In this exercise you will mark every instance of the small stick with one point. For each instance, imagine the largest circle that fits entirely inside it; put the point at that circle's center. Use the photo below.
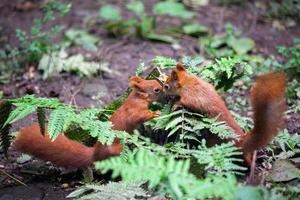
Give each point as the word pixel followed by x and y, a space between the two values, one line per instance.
pixel 252 169
pixel 10 176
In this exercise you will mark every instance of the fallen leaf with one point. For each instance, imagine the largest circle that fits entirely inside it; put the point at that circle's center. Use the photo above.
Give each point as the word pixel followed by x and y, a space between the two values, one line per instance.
pixel 241 46
pixel 283 170
pixel 26 6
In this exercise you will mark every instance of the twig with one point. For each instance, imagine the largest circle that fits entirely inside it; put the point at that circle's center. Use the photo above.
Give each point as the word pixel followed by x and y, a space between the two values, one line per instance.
pixel 10 176
pixel 252 169
pixel 72 98
pixel 253 24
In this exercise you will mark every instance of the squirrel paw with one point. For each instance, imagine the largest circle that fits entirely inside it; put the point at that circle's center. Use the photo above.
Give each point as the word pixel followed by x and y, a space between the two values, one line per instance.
pixel 176 107
pixel 156 113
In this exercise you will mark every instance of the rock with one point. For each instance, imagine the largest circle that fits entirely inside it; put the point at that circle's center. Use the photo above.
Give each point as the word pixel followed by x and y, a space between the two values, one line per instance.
pixel 94 90
pixel 65 185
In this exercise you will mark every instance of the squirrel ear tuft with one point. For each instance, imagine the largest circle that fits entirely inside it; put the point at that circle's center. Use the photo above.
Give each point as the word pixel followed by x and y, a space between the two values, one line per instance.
pixel 174 75
pixel 180 67
pixel 134 82
pixel 136 79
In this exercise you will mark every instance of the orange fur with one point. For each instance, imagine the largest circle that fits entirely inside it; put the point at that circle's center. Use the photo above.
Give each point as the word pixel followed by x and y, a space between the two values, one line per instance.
pixel 267 98
pixel 69 153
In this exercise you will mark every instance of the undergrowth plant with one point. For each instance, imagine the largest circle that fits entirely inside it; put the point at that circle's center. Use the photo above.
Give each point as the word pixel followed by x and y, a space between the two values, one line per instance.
pixel 282 9
pixel 35 43
pixel 292 57
pixel 230 44
pixel 222 73
pixel 60 119
pixel 145 25
pixel 39 41
pixel 182 166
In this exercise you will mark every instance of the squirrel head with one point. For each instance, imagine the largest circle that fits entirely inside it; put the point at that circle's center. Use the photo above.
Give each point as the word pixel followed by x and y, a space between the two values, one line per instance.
pixel 147 89
pixel 175 80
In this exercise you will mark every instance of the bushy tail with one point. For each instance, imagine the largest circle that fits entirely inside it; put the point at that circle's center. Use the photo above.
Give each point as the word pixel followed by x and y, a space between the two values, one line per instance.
pixel 62 151
pixel 268 103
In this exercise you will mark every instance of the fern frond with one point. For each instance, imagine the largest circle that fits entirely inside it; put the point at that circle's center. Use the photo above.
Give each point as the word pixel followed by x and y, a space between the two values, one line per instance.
pixel 5 109
pixel 189 125
pixel 189 187
pixel 285 142
pixel 192 62
pixel 112 190
pixel 31 100
pixel 223 73
pixel 20 112
pixel 41 119
pixel 219 159
pixel 144 165
pixel 57 121
pixel 164 62
pixel 246 123
pixel 168 175
pixel 5 138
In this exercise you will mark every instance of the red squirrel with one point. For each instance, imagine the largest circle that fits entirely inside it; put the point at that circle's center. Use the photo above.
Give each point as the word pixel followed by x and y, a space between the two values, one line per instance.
pixel 267 98
pixel 68 153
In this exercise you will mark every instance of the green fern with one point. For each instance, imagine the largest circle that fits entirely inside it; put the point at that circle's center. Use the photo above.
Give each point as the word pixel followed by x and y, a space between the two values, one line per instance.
pixel 285 142
pixel 164 62
pixel 112 190
pixel 28 104
pixel 143 165
pixel 61 117
pixel 5 137
pixel 219 159
pixel 189 187
pixel 168 175
pixel 192 62
pixel 41 115
pixel 223 73
pixel 20 112
pixel 189 124
pixel 57 121
pixel 246 123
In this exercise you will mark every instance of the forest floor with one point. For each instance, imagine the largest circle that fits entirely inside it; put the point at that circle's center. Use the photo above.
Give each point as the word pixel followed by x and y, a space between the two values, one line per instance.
pixel 123 55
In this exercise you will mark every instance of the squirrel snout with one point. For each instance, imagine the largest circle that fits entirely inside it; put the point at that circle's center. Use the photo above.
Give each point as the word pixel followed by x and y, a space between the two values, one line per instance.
pixel 166 87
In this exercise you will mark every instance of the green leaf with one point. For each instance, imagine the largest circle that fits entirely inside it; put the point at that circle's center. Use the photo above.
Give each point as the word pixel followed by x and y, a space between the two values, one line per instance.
pixel 82 38
pixel 137 7
pixel 172 8
pixel 146 26
pixel 57 62
pixel 164 62
pixel 108 12
pixel 250 192
pixel 241 46
pixel 20 113
pixel 194 29
pixel 56 122
pixel 23 158
pixel 218 41
pixel 111 190
pixel 283 170
pixel 161 38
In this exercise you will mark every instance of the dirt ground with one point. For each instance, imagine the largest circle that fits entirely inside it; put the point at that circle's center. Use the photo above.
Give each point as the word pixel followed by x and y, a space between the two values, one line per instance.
pixel 124 55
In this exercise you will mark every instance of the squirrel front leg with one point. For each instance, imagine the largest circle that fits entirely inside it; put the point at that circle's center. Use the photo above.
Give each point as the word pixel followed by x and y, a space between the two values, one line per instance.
pixel 177 104
pixel 151 115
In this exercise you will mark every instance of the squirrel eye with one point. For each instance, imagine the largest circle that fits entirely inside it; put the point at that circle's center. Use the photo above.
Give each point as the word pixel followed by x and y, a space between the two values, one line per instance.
pixel 156 90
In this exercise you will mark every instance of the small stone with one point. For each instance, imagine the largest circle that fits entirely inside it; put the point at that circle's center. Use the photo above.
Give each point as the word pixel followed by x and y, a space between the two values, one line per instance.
pixel 65 185
pixel 176 46
pixel 240 83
